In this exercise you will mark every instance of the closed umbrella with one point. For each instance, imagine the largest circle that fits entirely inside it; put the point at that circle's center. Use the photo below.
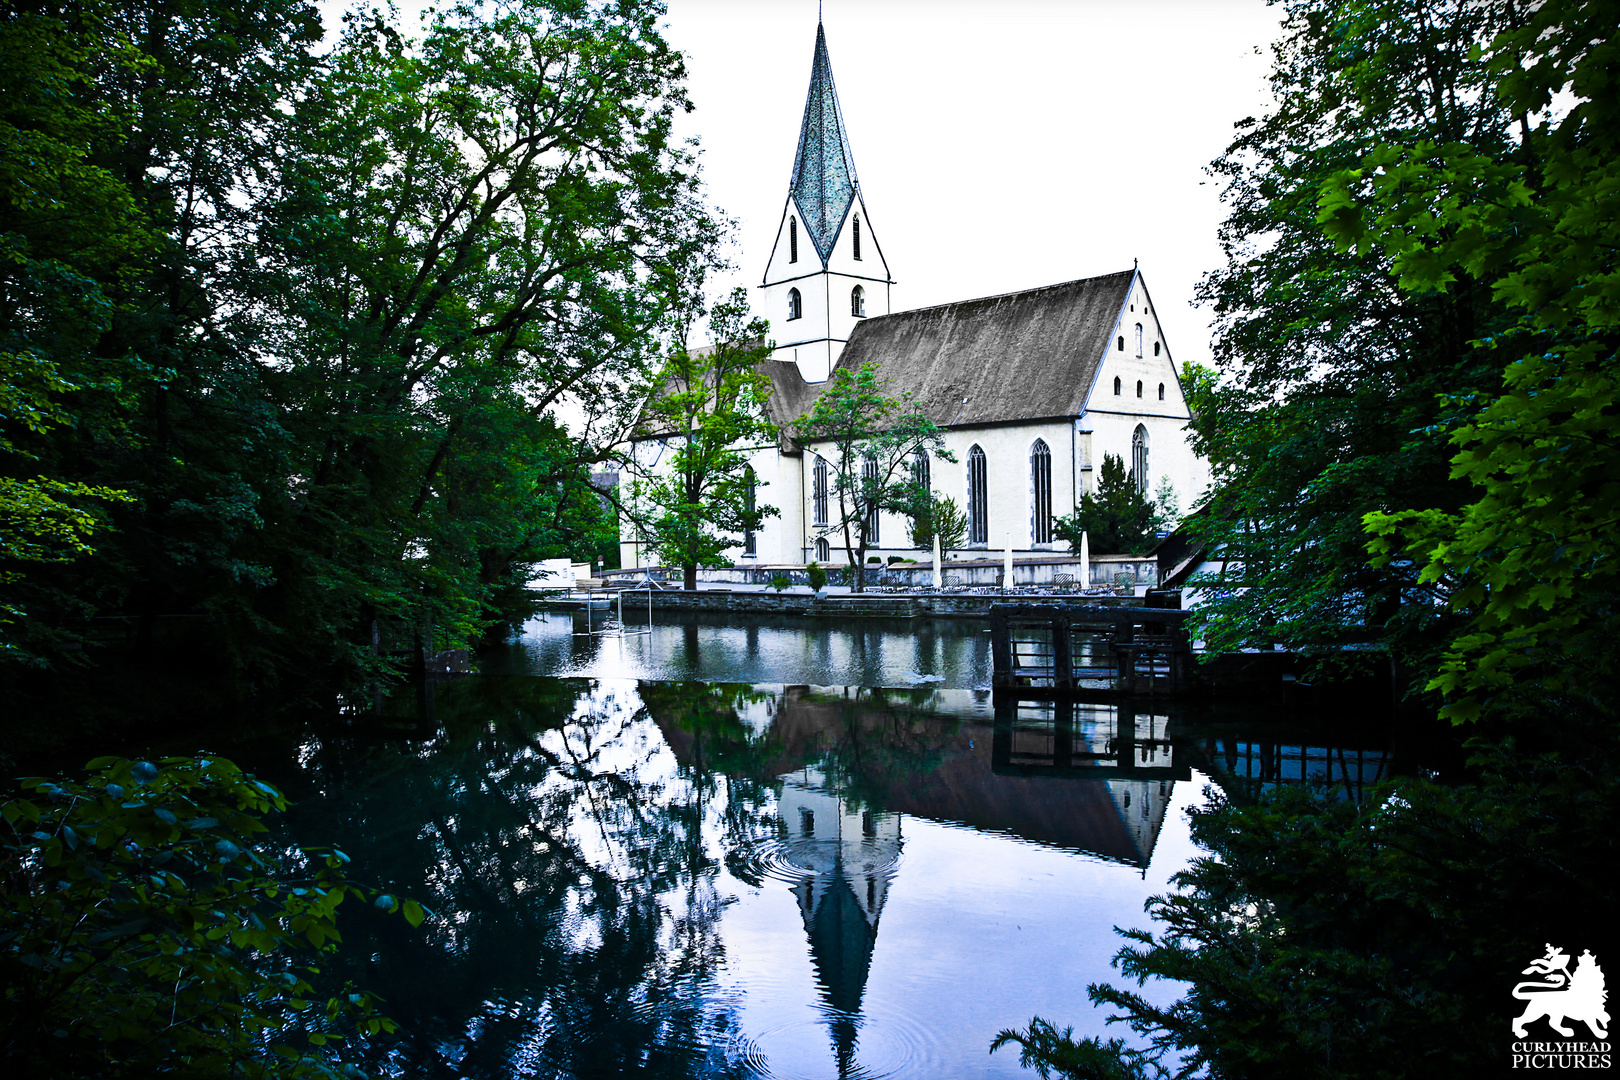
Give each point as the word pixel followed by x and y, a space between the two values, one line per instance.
pixel 1085 561
pixel 1006 579
pixel 939 582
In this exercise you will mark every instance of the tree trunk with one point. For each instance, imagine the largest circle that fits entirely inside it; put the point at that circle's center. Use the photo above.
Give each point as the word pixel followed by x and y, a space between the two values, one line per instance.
pixel 689 577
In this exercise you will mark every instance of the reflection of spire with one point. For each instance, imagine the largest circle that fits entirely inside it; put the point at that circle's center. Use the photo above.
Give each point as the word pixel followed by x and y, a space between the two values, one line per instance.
pixel 849 857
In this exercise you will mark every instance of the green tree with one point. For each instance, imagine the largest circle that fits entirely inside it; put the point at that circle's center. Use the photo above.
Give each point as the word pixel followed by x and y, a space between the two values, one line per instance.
pixel 939 514
pixel 1328 403
pixel 1118 518
pixel 873 439
pixel 711 406
pixel 147 929
pixel 356 286
pixel 1529 563
pixel 68 232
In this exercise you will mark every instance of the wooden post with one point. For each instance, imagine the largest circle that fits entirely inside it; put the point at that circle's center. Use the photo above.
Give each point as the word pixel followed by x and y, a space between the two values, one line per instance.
pixel 1062 647
pixel 1001 658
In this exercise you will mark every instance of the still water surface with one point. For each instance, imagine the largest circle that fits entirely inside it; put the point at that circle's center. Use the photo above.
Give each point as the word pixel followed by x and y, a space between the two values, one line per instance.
pixel 814 862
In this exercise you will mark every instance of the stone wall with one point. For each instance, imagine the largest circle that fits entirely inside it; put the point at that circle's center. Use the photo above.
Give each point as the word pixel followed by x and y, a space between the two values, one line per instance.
pixel 1106 570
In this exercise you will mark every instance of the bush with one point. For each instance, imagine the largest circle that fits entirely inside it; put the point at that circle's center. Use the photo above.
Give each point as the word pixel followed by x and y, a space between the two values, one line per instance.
pixel 817 576
pixel 944 516
pixel 780 581
pixel 1119 518
pixel 143 934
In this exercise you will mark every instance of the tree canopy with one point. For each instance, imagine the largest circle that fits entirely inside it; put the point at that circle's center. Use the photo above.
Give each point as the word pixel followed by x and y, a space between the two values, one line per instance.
pixel 286 330
pixel 872 441
pixel 710 410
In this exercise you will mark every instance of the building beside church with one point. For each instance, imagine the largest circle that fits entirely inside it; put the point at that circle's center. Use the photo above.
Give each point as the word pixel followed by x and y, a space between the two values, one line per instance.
pixel 1031 389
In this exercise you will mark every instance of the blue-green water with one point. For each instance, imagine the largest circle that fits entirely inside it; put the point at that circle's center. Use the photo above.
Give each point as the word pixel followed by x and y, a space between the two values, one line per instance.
pixel 784 870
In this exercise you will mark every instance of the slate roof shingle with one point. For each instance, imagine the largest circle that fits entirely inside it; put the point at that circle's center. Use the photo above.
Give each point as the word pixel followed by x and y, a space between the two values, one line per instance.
pixel 998 359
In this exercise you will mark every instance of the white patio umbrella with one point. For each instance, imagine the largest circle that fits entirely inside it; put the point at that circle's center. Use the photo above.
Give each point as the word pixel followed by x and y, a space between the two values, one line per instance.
pixel 939 582
pixel 1085 561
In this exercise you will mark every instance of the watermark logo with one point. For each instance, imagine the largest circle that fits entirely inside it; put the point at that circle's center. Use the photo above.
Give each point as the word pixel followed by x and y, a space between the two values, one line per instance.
pixel 1560 996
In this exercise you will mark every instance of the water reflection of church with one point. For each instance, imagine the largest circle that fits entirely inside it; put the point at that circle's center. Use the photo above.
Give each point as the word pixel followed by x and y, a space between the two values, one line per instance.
pixel 848 856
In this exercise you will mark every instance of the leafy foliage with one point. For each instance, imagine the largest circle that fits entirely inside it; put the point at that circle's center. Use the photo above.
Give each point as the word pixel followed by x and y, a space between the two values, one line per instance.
pixel 147 928
pixel 1529 563
pixel 712 406
pixel 1322 938
pixel 1118 518
pixel 313 314
pixel 871 440
pixel 1331 376
pixel 941 515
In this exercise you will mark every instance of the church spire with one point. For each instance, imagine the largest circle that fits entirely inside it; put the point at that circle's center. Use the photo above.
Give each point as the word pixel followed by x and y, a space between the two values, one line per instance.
pixel 826 272
pixel 824 184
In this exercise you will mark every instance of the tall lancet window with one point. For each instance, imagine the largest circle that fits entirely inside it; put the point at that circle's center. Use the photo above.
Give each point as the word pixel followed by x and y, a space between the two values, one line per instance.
pixel 1040 484
pixel 1139 341
pixel 1139 458
pixel 857 302
pixel 793 239
pixel 749 506
pixel 857 236
pixel 823 549
pixel 818 492
pixel 920 471
pixel 795 304
pixel 869 477
pixel 978 497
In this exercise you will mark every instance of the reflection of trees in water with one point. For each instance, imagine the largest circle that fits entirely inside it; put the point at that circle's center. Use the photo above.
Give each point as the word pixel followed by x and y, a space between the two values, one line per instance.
pixel 578 921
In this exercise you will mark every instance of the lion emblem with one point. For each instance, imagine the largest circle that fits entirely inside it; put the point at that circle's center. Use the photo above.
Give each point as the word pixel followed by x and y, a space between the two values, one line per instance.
pixel 1562 995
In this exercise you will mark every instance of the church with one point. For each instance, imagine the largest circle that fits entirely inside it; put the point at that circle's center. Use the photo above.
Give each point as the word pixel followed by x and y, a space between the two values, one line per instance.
pixel 1030 389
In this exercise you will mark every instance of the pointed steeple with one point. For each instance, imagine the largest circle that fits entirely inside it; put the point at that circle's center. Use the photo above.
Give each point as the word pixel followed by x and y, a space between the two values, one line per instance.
pixel 824 184
pixel 826 272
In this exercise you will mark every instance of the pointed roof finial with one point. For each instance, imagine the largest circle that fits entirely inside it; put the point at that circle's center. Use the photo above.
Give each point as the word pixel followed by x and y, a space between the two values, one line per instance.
pixel 824 182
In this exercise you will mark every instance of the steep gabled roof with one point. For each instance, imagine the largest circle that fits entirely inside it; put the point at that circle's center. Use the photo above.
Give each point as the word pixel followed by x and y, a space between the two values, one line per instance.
pixel 790 398
pixel 823 184
pixel 1019 356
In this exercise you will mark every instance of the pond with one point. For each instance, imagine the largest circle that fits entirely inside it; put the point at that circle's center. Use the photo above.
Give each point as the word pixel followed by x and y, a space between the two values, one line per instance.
pixel 754 851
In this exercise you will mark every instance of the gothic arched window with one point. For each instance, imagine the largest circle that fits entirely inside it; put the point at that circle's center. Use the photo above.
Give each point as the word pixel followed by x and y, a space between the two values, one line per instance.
pixel 869 483
pixel 823 549
pixel 857 236
pixel 795 304
pixel 1161 391
pixel 1116 386
pixel 1122 343
pixel 1139 458
pixel 978 497
pixel 793 239
pixel 857 302
pixel 1139 341
pixel 818 490
pixel 921 472
pixel 749 507
pixel 1040 484
pixel 1155 348
pixel 1138 387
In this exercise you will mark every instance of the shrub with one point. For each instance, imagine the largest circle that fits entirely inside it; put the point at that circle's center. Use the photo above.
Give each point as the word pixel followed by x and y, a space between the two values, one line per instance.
pixel 143 934
pixel 780 581
pixel 817 576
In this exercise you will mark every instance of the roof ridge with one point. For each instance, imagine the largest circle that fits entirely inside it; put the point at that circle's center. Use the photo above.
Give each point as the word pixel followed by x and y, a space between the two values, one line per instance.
pixel 999 296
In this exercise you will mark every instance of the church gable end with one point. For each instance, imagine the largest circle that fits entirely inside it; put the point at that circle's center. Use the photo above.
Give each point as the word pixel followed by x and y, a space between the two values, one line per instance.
pixel 1136 365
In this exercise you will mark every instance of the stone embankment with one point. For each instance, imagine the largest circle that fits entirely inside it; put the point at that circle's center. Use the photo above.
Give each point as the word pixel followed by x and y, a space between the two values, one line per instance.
pixel 833 606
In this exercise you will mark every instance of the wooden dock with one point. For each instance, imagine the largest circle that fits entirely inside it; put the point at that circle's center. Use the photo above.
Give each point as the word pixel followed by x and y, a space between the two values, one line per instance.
pixel 1089 649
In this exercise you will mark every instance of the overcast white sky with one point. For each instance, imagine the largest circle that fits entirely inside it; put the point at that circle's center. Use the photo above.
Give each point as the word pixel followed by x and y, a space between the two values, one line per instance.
pixel 1000 146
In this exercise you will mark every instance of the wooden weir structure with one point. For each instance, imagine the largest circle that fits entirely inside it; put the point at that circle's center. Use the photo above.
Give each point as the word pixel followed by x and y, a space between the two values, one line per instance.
pixel 1069 650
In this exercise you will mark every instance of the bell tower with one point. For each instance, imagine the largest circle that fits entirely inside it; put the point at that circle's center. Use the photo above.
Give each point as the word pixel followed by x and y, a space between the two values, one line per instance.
pixel 826 272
